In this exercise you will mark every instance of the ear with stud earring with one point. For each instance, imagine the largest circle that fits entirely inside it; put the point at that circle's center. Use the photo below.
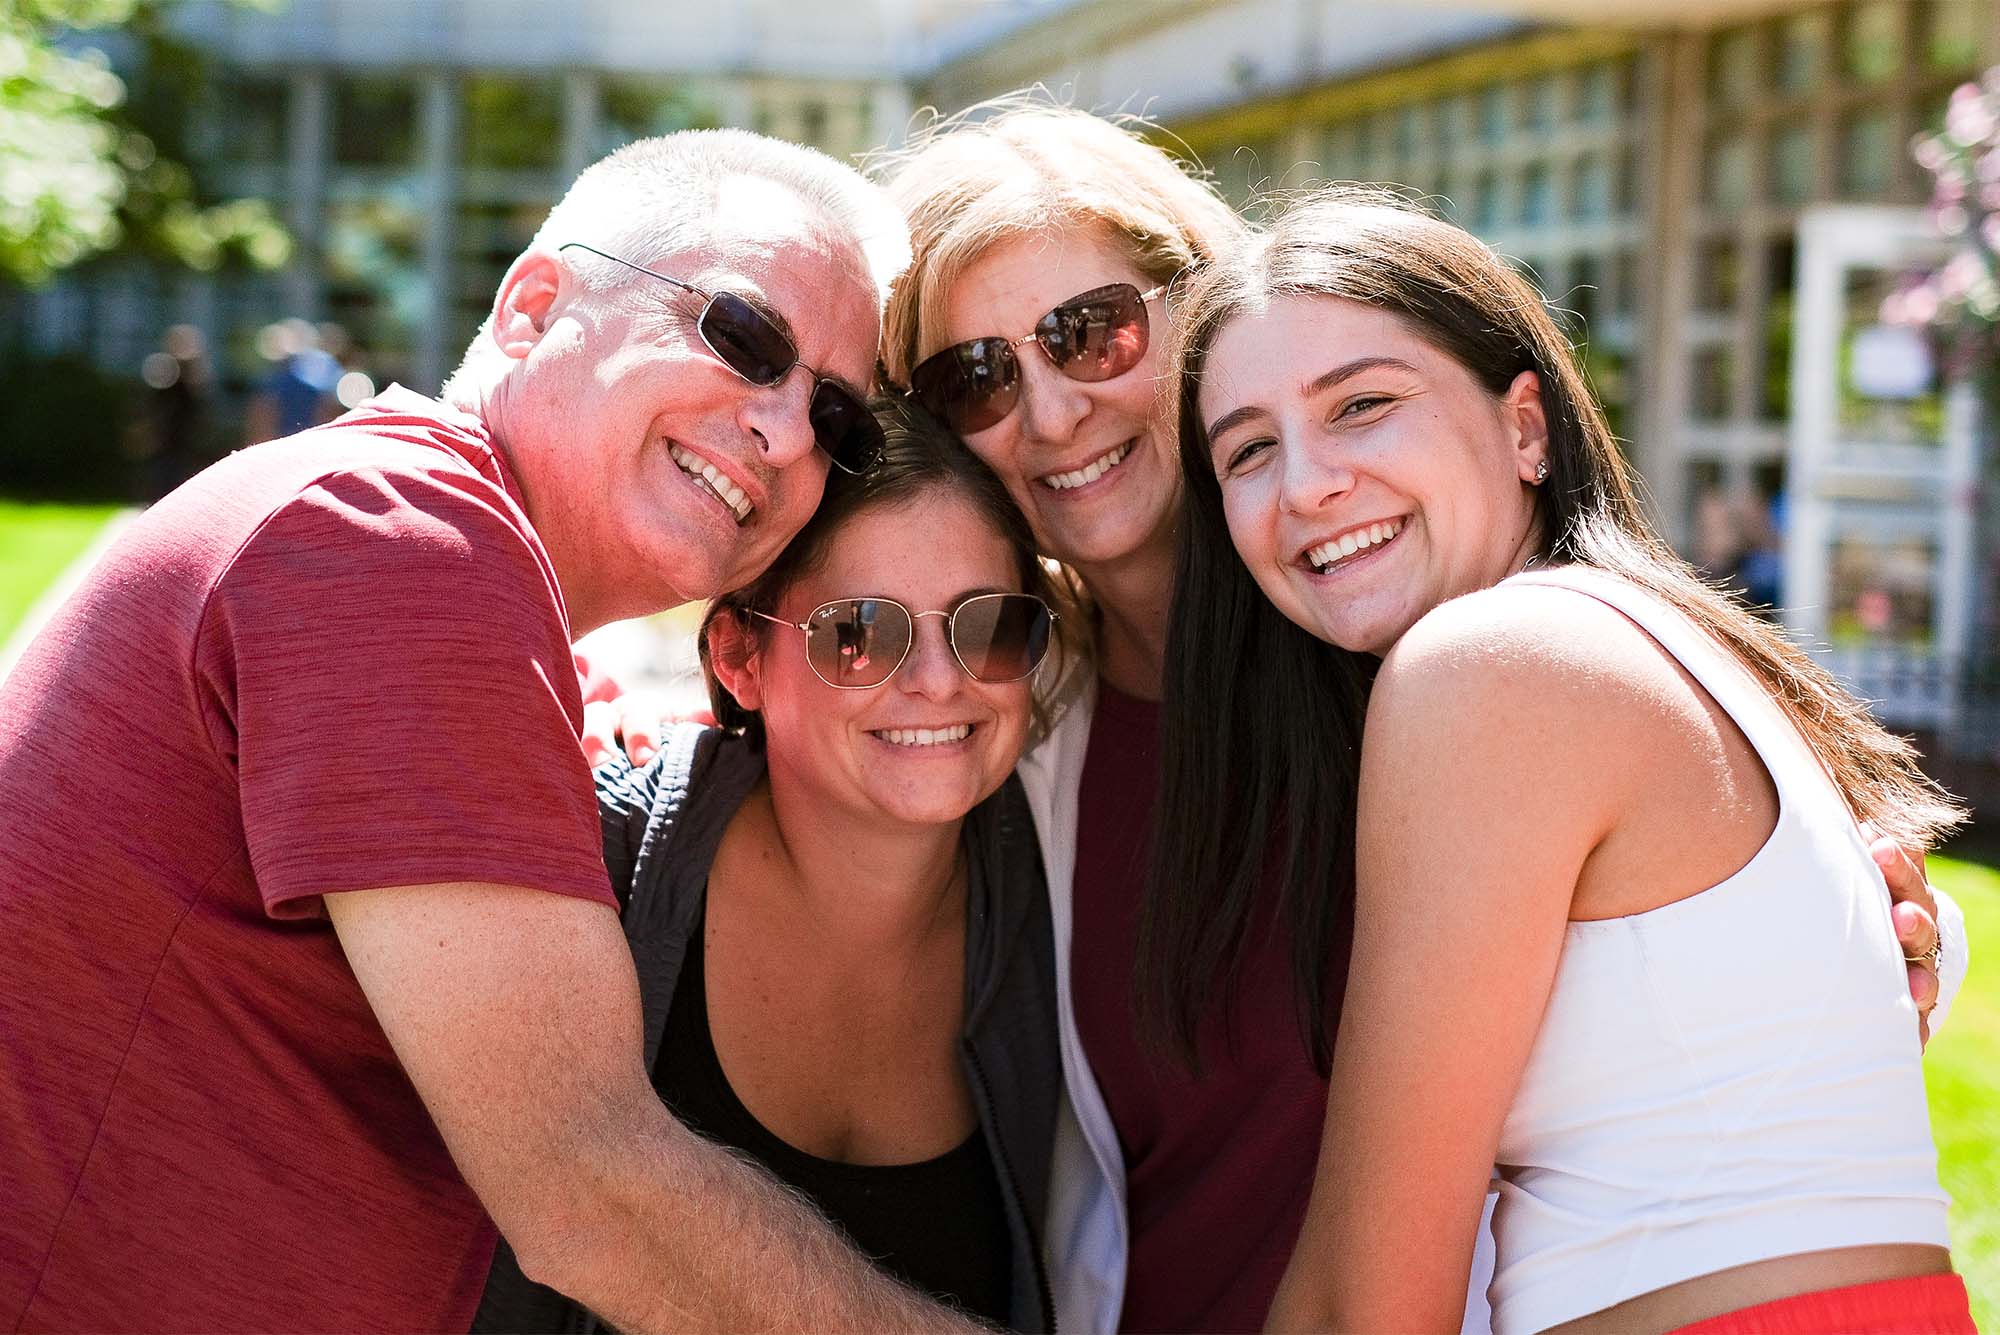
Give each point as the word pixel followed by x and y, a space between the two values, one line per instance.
pixel 1541 471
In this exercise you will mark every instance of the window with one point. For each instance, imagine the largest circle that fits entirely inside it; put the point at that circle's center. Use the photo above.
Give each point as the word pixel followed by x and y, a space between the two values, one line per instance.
pixel 510 123
pixel 1792 172
pixel 1873 49
pixel 374 121
pixel 252 113
pixel 1868 153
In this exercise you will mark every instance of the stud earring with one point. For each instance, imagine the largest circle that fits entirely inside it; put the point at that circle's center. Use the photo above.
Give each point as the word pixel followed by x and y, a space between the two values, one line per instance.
pixel 1541 471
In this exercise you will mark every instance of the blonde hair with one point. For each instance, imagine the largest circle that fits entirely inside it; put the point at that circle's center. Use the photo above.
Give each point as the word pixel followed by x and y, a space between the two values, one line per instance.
pixel 1022 165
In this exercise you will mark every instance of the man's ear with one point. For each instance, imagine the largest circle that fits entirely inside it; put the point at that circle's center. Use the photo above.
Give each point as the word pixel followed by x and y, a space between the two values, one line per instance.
pixel 527 300
pixel 732 652
pixel 1521 406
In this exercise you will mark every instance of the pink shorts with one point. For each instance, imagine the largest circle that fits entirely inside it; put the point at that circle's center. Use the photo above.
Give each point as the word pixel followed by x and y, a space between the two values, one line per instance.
pixel 1925 1305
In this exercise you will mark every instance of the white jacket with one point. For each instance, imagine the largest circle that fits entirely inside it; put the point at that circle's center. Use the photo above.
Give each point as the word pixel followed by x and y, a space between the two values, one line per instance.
pixel 1087 1234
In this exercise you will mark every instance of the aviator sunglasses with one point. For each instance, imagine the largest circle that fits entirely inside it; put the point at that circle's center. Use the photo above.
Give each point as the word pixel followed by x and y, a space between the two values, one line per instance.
pixel 745 340
pixel 1093 336
pixel 854 643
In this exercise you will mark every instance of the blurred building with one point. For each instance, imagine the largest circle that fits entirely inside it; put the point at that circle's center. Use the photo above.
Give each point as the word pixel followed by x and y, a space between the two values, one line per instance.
pixel 1656 165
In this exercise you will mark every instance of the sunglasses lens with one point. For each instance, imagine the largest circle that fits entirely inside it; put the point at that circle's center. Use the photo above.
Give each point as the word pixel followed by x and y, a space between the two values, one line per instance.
pixel 1001 636
pixel 844 428
pixel 857 642
pixel 747 343
pixel 969 386
pixel 1097 335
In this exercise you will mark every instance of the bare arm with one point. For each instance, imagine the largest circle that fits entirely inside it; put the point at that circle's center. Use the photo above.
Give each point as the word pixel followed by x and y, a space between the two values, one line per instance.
pixel 516 1015
pixel 1476 817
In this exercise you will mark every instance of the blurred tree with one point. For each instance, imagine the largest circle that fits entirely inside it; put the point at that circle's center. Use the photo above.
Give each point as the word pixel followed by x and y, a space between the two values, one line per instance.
pixel 90 164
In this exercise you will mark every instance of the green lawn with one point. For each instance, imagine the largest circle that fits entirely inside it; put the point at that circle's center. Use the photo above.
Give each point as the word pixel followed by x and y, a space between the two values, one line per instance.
pixel 36 542
pixel 1963 1072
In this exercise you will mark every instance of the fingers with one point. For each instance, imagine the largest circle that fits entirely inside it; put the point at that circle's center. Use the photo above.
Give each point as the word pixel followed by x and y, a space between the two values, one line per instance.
pixel 1904 875
pixel 600 732
pixel 640 724
pixel 1924 992
pixel 1916 930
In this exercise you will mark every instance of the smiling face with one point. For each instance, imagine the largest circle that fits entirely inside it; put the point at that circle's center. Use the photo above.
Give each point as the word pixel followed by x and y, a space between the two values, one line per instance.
pixel 661 473
pixel 1366 476
pixel 1091 465
pixel 930 743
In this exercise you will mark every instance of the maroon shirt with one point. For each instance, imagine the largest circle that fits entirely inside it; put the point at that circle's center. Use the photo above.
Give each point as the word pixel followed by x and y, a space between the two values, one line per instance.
pixel 333 662
pixel 1218 1169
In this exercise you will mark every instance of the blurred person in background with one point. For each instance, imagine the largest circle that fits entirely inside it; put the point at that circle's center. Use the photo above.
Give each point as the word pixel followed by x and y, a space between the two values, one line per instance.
pixel 298 391
pixel 178 410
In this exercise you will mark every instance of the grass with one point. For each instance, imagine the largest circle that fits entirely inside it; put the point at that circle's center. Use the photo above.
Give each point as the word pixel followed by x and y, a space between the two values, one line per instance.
pixel 1962 1070
pixel 37 542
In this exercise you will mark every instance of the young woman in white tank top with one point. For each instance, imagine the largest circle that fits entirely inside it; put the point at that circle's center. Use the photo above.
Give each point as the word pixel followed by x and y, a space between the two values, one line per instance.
pixel 1604 819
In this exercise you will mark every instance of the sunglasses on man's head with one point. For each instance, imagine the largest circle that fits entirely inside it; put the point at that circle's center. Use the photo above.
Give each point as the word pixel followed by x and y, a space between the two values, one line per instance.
pixel 745 340
pixel 1093 336
pixel 855 643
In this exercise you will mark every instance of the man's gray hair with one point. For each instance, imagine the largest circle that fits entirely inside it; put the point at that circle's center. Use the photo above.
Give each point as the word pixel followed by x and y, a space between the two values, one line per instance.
pixel 657 196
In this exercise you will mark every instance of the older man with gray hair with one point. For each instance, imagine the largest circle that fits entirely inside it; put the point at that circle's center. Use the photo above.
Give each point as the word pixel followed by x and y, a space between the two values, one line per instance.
pixel 333 972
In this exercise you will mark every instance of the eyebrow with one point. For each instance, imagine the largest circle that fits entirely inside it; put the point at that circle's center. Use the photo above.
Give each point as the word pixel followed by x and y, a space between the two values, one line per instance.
pixel 1318 385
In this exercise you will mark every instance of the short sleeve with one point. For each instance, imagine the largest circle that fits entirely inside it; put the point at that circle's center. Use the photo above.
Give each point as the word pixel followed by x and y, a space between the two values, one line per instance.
pixel 387 664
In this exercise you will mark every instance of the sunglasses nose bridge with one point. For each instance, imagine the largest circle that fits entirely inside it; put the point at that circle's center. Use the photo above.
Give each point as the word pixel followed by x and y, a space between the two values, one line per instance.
pixel 931 665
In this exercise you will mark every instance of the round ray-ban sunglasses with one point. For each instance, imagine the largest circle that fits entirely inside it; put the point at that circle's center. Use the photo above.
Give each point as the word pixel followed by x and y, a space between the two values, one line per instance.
pixel 1093 336
pixel 854 643
pixel 745 339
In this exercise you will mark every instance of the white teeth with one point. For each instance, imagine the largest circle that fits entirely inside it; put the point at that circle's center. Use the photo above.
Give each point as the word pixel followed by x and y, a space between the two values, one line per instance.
pixel 1347 544
pixel 714 479
pixel 1090 472
pixel 925 736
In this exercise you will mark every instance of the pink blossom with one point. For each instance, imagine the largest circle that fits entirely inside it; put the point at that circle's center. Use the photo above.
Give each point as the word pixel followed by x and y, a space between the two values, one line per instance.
pixel 1920 304
pixel 1952 220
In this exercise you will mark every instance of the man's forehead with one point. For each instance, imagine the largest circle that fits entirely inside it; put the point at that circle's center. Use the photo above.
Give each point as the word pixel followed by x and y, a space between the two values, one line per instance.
pixel 815 283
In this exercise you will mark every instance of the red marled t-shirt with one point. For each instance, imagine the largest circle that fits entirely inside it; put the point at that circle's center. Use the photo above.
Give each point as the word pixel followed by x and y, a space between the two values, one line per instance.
pixel 1218 1169
pixel 333 662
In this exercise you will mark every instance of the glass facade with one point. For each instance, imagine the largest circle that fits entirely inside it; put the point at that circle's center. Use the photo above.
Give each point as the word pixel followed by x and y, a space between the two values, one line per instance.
pixel 410 191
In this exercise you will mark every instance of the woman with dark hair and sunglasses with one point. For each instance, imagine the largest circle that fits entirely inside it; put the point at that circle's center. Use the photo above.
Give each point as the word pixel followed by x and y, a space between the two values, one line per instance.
pixel 1602 821
pixel 833 899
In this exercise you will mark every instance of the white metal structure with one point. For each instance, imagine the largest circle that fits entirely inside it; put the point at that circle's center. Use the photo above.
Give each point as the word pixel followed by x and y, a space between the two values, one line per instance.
pixel 1881 485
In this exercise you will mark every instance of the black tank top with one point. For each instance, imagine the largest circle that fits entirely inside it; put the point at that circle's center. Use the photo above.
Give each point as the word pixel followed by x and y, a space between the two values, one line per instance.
pixel 939 1226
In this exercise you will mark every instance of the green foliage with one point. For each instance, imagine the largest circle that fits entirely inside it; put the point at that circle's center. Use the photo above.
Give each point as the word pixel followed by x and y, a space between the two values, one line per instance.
pixel 82 166
pixel 64 423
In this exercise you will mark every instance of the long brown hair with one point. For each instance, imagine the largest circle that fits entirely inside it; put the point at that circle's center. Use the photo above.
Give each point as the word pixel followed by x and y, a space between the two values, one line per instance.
pixel 1276 713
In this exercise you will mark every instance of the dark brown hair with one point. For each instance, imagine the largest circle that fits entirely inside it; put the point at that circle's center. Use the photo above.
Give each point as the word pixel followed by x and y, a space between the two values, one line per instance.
pixel 1263 720
pixel 920 456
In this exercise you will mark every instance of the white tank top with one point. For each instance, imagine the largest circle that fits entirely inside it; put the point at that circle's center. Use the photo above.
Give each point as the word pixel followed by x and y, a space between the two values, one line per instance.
pixel 1729 1078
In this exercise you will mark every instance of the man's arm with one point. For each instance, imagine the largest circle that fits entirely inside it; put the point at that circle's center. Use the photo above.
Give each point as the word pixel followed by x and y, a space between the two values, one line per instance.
pixel 516 1015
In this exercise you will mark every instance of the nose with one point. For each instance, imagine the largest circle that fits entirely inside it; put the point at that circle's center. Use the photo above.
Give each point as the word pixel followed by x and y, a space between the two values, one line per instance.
pixel 931 670
pixel 1313 475
pixel 1052 404
pixel 780 417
